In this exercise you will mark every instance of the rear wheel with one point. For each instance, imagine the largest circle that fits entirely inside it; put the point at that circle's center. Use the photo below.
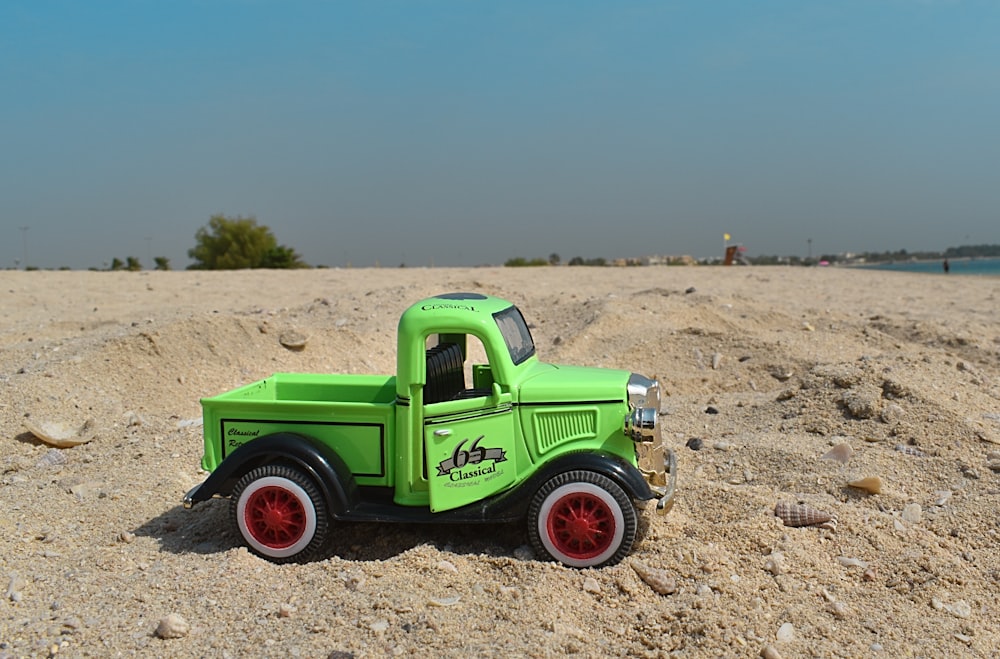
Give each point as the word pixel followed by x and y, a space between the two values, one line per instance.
pixel 280 513
pixel 582 519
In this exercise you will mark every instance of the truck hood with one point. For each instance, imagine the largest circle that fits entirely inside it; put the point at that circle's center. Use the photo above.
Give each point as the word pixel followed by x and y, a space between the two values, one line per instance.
pixel 551 383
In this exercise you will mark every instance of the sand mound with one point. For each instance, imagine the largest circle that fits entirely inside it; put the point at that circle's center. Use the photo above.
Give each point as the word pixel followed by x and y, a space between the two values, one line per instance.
pixel 765 370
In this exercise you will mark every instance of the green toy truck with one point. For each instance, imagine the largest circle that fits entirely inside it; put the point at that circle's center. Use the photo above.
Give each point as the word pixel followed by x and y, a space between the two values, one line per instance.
pixel 568 448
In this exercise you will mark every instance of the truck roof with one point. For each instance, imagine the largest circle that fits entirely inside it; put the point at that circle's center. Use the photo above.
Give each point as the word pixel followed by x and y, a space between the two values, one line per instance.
pixel 463 309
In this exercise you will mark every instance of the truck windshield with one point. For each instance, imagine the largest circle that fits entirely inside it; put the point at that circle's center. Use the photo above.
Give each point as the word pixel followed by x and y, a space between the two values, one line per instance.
pixel 515 334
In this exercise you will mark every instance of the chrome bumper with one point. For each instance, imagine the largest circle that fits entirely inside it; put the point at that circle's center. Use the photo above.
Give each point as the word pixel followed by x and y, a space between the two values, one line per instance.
pixel 659 465
pixel 656 462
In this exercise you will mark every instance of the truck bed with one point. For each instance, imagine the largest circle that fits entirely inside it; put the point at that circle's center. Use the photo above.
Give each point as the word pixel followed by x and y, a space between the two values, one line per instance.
pixel 353 414
pixel 315 388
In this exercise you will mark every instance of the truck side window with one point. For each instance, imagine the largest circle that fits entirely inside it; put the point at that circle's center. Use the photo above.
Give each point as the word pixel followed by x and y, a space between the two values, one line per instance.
pixel 449 372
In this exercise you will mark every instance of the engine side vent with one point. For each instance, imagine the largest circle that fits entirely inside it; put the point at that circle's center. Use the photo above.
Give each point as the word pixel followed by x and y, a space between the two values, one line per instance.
pixel 556 427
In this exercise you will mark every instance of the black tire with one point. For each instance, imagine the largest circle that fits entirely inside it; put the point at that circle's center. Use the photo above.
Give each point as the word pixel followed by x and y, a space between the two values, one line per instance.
pixel 280 514
pixel 582 519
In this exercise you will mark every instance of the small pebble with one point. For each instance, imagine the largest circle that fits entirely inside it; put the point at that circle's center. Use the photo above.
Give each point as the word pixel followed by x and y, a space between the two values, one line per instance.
pixel 775 563
pixel 721 446
pixel 286 611
pixel 912 513
pixel 447 566
pixel 523 553
pixel 892 412
pixel 959 609
pixel 851 562
pixel 840 453
pixel 837 609
pixel 659 580
pixel 786 633
pixel 711 409
pixel 590 585
pixel 293 340
pixel 694 444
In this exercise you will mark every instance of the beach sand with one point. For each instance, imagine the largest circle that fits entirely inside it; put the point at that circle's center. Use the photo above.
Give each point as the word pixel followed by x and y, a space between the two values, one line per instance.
pixel 769 368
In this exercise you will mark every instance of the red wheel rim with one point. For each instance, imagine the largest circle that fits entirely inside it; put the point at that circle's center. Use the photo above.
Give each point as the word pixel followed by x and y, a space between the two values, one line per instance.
pixel 275 517
pixel 581 525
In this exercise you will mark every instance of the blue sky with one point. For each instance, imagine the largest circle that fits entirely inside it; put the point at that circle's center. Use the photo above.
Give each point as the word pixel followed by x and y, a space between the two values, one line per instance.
pixel 465 132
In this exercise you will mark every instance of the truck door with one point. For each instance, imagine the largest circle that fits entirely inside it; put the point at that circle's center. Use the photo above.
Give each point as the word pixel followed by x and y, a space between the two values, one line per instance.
pixel 470 451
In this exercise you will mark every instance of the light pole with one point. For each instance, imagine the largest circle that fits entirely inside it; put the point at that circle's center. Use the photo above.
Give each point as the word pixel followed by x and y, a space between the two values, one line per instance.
pixel 24 246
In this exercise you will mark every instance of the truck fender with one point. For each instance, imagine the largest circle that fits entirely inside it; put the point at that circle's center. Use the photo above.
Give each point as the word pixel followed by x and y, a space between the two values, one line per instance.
pixel 514 504
pixel 318 460
pixel 614 467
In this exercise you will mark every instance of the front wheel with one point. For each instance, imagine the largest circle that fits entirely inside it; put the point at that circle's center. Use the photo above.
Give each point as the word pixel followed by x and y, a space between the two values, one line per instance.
pixel 582 519
pixel 280 513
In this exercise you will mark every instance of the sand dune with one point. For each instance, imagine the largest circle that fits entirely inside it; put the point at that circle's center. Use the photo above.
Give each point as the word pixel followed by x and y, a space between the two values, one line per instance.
pixel 765 371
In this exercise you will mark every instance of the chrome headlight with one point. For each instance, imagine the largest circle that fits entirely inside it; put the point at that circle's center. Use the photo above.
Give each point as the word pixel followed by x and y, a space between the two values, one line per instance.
pixel 644 408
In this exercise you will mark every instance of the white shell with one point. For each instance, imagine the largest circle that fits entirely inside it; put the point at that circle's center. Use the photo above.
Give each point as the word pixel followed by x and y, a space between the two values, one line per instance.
pixel 59 435
pixel 870 484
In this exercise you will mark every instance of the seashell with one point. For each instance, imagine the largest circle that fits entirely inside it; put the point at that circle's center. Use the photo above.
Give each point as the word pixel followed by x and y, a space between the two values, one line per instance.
pixel 659 580
pixel 910 450
pixel 444 601
pixel 840 453
pixel 801 515
pixel 52 458
pixel 870 484
pixel 58 434
pixel 173 626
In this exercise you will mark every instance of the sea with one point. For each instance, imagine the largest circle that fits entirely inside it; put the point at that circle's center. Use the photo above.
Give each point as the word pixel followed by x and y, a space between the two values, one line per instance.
pixel 983 267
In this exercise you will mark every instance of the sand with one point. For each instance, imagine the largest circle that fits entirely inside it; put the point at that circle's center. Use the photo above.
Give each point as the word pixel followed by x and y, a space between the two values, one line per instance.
pixel 766 369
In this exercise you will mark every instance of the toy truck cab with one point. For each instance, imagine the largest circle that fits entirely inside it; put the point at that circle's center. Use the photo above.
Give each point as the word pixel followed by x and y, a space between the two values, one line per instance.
pixel 447 439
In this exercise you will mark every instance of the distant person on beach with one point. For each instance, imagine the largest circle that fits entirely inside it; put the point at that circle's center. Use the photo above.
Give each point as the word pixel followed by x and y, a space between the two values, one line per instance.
pixel 946 266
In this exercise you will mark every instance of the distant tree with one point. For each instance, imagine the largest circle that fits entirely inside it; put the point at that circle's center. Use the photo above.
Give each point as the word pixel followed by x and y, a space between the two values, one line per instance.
pixel 520 262
pixel 554 259
pixel 579 260
pixel 282 257
pixel 133 264
pixel 117 264
pixel 238 243
pixel 162 262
